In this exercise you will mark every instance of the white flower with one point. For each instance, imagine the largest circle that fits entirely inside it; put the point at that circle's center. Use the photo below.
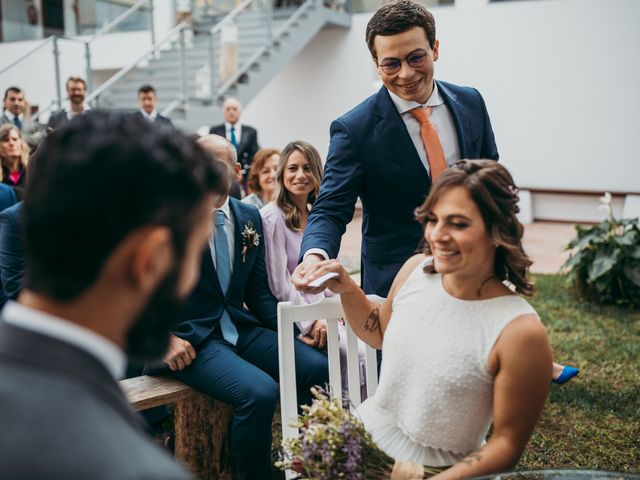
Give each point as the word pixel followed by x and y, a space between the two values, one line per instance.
pixel 605 200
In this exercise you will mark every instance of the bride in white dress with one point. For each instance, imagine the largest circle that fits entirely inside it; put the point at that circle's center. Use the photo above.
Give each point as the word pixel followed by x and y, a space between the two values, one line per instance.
pixel 462 350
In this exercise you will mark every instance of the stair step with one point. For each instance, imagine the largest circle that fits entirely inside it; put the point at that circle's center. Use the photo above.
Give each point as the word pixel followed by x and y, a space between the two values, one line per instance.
pixel 164 72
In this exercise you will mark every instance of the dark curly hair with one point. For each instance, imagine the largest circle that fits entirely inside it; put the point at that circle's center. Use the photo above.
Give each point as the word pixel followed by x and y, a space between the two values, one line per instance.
pixel 492 189
pixel 398 17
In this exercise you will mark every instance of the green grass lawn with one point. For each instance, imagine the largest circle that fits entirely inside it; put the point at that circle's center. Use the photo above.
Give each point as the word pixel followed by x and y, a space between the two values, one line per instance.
pixel 592 422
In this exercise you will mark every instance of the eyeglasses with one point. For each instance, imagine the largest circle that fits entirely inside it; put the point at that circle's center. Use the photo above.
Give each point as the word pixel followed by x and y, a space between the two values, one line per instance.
pixel 391 66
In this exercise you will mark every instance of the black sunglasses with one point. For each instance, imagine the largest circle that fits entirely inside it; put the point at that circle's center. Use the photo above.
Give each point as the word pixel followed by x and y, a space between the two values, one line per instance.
pixel 391 66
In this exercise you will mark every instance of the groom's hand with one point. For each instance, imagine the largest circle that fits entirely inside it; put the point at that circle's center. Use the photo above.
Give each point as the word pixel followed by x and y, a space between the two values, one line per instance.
pixel 301 275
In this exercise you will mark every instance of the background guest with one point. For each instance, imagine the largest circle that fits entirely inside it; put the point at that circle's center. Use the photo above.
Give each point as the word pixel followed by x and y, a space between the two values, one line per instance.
pixel 241 136
pixel 14 155
pixel 148 99
pixel 261 181
pixel 227 343
pixel 16 112
pixel 297 183
pixel 76 93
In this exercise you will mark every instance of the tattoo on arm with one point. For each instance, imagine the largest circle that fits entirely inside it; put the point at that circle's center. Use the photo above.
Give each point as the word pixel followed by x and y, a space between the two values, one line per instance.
pixel 372 324
pixel 474 457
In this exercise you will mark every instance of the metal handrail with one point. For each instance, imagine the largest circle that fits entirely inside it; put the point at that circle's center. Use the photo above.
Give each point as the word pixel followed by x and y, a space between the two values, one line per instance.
pixel 294 18
pixel 26 55
pixel 175 103
pixel 110 26
pixel 118 20
pixel 121 73
pixel 230 16
pixel 247 65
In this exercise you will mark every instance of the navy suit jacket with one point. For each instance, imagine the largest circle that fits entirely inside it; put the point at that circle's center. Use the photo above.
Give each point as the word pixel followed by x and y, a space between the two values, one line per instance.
pixel 248 144
pixel 160 120
pixel 12 256
pixel 371 156
pixel 249 285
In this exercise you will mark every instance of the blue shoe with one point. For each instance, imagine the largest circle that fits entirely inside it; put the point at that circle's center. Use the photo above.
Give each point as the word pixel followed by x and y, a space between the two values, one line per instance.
pixel 567 374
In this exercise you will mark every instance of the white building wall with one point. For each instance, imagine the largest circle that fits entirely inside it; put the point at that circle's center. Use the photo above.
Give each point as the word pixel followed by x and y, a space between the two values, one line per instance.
pixel 560 78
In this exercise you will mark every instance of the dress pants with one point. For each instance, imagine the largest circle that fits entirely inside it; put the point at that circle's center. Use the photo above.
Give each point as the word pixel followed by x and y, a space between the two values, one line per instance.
pixel 246 376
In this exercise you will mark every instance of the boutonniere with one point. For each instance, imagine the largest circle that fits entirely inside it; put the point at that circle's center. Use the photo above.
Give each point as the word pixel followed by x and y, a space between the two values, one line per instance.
pixel 250 239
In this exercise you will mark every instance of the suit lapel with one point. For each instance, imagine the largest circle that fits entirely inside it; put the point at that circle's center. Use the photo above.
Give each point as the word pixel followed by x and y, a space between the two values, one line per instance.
pixel 243 139
pixel 460 118
pixel 392 129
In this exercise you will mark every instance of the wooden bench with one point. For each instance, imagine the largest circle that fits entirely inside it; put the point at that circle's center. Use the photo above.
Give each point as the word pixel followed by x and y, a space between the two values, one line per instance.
pixel 201 424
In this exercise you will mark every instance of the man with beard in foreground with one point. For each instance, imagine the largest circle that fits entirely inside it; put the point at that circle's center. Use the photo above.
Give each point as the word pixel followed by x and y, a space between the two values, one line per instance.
pixel 116 219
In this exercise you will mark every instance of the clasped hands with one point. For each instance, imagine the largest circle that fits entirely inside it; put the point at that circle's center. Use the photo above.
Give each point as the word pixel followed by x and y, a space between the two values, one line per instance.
pixel 312 267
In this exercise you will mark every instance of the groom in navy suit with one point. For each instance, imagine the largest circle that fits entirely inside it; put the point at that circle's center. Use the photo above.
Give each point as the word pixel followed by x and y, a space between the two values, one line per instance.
pixel 377 151
pixel 231 352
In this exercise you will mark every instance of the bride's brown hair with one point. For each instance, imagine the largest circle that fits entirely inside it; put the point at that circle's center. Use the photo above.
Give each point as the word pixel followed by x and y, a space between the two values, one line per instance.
pixel 492 189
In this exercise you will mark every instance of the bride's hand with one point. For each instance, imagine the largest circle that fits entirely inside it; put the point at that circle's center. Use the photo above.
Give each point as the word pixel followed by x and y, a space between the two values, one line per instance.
pixel 340 284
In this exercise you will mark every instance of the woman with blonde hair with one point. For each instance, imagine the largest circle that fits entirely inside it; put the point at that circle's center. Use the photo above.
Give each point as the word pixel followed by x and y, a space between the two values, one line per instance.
pixel 14 156
pixel 262 177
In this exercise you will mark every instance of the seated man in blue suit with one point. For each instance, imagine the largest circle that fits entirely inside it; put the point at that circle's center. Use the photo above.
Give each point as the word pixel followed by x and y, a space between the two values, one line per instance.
pixel 227 351
pixel 378 152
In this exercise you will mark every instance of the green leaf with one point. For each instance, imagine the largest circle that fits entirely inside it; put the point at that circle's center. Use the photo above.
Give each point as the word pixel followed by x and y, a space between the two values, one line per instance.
pixel 572 261
pixel 602 264
pixel 628 238
pixel 635 253
pixel 633 273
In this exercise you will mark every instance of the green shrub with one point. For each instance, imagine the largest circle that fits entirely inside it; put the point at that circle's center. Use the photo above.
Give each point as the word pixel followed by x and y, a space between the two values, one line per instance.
pixel 605 267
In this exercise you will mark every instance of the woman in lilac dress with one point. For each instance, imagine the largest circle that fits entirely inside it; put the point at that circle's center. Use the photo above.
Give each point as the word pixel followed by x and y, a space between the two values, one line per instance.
pixel 297 185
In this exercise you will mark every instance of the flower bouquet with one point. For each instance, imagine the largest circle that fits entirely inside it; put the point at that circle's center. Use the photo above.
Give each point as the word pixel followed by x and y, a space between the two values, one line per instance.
pixel 334 444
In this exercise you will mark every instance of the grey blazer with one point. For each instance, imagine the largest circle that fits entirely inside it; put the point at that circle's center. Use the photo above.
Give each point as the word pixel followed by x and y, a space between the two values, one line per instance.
pixel 64 417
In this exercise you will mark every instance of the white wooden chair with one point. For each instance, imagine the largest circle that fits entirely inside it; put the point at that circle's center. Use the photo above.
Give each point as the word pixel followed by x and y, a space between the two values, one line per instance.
pixel 330 309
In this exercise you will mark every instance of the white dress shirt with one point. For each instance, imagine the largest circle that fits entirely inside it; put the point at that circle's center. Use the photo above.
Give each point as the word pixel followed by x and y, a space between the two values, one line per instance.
pixel 238 131
pixel 104 350
pixel 440 118
pixel 71 114
pixel 149 116
pixel 11 116
pixel 229 223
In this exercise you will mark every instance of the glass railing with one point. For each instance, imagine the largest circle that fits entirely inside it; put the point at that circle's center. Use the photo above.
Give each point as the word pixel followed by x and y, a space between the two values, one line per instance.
pixel 101 12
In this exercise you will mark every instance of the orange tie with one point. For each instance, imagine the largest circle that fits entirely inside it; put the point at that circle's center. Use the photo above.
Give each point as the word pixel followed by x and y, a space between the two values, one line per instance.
pixel 429 134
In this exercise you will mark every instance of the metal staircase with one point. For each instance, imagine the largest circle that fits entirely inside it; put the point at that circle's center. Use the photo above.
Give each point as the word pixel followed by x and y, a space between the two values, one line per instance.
pixel 180 66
